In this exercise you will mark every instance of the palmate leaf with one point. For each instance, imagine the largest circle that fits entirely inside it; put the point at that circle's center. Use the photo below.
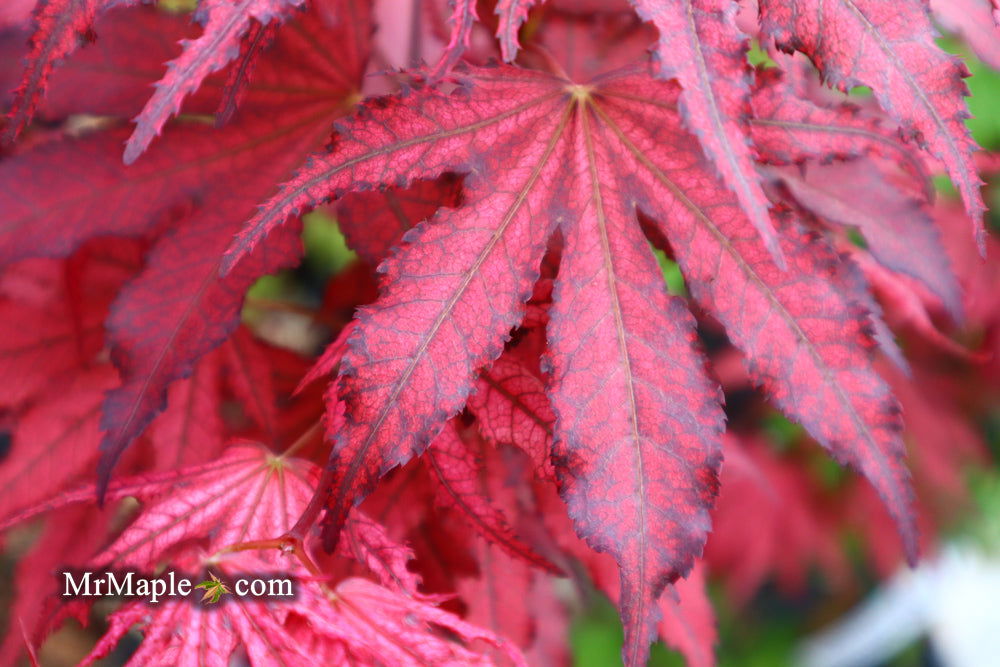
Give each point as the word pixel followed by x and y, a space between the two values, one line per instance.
pixel 790 532
pixel 638 422
pixel 51 319
pixel 383 625
pixel 511 407
pixel 511 213
pixel 67 539
pixel 211 508
pixel 497 597
pixel 687 620
pixel 55 442
pixel 356 622
pixel 187 517
pixel 374 222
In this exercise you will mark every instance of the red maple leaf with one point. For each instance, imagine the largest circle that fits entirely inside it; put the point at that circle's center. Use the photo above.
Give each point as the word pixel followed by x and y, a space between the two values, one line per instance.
pixel 685 619
pixel 786 536
pixel 374 222
pixel 497 597
pixel 787 127
pixel 194 525
pixel 512 408
pixel 54 443
pixel 463 17
pixel 613 330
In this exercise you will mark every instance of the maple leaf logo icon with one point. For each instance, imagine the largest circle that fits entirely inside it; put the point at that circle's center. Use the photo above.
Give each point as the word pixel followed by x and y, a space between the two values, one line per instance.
pixel 214 589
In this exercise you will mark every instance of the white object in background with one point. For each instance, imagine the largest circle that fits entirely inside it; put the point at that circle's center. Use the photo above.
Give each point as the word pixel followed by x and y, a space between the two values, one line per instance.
pixel 955 600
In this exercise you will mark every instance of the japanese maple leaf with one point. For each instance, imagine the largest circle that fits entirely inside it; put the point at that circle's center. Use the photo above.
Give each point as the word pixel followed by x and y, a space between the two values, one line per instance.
pixel 463 18
pixel 202 505
pixel 212 510
pixel 65 376
pixel 889 47
pixel 905 308
pixel 512 408
pixel 208 510
pixel 548 645
pixel 374 222
pixel 55 442
pixel 205 506
pixel 687 620
pixel 397 628
pixel 51 315
pixel 52 319
pixel 179 632
pixel 638 423
pixel 944 443
pixel 193 182
pixel 497 597
pixel 788 128
pixel 191 429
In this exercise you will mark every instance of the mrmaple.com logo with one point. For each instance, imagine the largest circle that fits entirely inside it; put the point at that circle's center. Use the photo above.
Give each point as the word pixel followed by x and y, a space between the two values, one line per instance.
pixel 126 584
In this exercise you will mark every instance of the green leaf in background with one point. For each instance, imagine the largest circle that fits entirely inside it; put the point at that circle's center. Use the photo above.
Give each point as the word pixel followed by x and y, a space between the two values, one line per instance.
pixel 671 274
pixel 597 637
pixel 984 86
pixel 325 246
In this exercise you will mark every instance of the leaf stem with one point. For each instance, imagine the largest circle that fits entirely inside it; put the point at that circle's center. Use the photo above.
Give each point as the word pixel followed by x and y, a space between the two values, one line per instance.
pixel 303 439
